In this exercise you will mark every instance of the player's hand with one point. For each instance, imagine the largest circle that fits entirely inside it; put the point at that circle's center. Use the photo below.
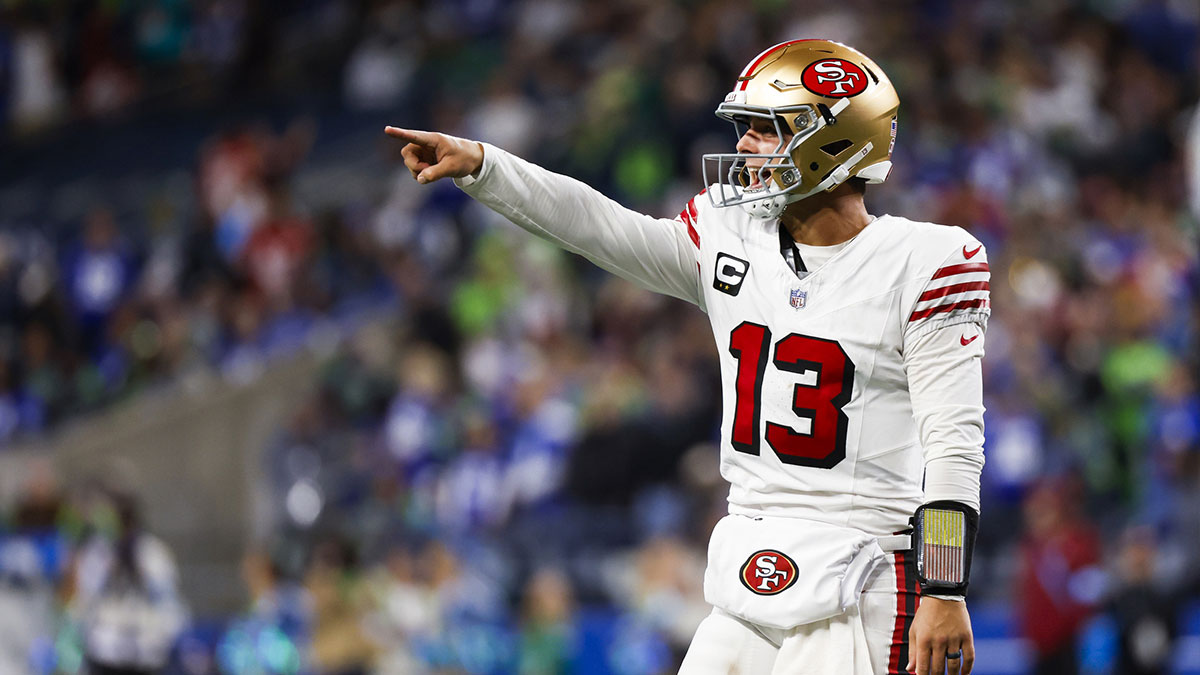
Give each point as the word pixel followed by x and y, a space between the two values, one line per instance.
pixel 431 156
pixel 940 627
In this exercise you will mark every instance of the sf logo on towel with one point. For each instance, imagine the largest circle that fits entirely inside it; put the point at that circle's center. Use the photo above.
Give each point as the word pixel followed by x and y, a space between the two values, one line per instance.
pixel 768 572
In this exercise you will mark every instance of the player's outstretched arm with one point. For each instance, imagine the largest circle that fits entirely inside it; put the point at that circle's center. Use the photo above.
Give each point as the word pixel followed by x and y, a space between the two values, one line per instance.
pixel 657 254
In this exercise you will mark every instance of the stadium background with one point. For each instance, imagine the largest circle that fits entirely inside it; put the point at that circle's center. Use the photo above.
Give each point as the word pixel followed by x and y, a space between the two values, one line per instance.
pixel 268 406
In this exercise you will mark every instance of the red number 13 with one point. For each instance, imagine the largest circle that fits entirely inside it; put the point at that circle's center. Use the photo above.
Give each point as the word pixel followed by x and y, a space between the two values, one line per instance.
pixel 819 402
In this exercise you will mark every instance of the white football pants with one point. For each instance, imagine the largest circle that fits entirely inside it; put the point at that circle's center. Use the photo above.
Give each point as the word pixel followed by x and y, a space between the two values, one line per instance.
pixel 871 639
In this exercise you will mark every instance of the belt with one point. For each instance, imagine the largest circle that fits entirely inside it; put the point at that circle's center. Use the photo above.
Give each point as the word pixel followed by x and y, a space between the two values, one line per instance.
pixel 895 542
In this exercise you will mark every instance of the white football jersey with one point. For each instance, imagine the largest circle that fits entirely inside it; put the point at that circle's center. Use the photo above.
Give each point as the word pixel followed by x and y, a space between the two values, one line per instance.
pixel 817 418
pixel 819 374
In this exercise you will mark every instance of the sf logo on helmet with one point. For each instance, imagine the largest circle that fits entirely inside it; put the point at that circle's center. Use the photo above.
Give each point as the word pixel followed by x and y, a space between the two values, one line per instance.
pixel 835 78
pixel 768 572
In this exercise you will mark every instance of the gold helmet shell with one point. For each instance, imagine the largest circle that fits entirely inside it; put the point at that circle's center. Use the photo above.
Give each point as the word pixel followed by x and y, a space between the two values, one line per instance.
pixel 834 110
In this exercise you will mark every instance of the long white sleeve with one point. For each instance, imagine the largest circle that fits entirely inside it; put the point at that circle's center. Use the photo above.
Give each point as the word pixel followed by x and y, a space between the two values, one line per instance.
pixel 945 380
pixel 656 254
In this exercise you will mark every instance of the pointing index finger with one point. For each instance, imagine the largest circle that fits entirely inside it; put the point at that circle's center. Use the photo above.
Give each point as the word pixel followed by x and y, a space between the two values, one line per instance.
pixel 423 138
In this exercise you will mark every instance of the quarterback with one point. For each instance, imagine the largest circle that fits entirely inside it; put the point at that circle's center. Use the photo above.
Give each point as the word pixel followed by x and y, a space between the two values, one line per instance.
pixel 850 349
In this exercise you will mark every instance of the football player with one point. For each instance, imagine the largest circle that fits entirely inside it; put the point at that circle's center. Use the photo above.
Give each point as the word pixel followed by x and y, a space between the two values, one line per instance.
pixel 850 348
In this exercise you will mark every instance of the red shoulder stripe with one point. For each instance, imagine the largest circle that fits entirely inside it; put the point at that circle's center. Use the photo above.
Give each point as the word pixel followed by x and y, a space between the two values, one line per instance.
pixel 951 290
pixel 964 304
pixel 965 268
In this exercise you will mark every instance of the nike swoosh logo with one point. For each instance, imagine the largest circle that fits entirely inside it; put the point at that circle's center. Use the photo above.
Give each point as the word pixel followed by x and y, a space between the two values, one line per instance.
pixel 963 339
pixel 971 254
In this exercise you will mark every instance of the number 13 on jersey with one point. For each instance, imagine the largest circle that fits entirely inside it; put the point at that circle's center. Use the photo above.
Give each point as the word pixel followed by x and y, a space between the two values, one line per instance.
pixel 825 380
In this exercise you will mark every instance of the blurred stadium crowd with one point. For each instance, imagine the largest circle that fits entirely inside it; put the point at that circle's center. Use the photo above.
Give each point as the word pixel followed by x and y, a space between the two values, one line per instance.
pixel 516 454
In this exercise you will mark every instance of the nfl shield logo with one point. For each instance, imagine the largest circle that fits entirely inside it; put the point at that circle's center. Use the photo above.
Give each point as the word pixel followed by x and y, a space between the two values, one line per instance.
pixel 799 298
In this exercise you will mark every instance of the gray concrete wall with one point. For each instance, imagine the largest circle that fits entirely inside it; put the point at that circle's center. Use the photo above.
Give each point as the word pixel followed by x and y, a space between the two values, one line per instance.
pixel 193 454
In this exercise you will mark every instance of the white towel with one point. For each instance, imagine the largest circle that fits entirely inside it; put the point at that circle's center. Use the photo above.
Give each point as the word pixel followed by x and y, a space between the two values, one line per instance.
pixel 727 645
pixel 835 645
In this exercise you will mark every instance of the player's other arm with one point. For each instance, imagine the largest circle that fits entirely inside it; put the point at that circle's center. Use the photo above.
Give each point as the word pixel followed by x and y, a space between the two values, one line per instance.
pixel 657 254
pixel 943 352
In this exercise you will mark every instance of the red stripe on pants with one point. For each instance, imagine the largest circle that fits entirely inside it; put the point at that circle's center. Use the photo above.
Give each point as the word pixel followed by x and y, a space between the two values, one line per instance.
pixel 907 601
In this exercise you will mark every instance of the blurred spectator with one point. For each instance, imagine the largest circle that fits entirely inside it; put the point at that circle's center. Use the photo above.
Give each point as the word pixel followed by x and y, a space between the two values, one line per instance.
pixel 472 492
pixel 405 613
pixel 1144 608
pixel 542 432
pixel 417 427
pixel 379 71
pixel 548 643
pixel 340 645
pixel 1060 581
pixel 231 170
pixel 274 253
pixel 33 557
pixel 455 621
pixel 661 583
pixel 217 33
pixel 273 637
pixel 37 96
pixel 44 395
pixel 126 596
pixel 99 271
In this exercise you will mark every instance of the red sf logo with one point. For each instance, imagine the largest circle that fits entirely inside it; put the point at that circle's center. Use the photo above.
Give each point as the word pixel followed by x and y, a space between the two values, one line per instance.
pixel 835 78
pixel 768 572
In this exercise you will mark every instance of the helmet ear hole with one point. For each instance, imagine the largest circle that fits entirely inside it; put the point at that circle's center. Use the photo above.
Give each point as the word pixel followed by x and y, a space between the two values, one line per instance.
pixel 814 166
pixel 837 147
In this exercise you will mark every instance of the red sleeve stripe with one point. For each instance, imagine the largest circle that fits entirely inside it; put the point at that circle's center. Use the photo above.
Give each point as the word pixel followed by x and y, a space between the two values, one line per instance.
pixel 965 268
pixel 963 304
pixel 951 290
pixel 688 216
